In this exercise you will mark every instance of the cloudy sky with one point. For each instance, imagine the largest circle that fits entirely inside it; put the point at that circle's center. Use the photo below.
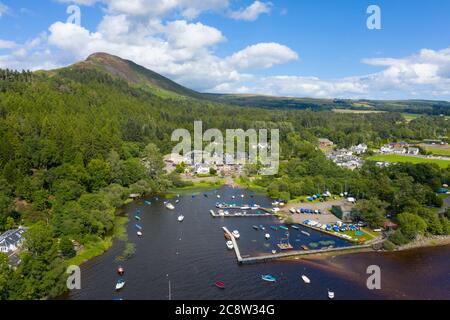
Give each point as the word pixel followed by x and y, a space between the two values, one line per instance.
pixel 307 48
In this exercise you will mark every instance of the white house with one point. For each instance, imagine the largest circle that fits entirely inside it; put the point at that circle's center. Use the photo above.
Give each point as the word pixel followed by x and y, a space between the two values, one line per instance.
pixel 11 240
pixel 359 149
pixel 202 169
pixel 413 151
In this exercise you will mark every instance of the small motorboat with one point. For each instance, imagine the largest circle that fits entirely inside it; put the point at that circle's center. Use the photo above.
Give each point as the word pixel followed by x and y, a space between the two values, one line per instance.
pixel 180 218
pixel 236 234
pixel 138 227
pixel 274 251
pixel 230 245
pixel 233 197
pixel 147 202
pixel 139 233
pixel 137 218
pixel 305 279
pixel 242 195
pixel 267 236
pixel 262 227
pixel 218 196
pixel 306 233
pixel 120 284
pixel 295 227
pixel 330 294
pixel 256 227
pixel 120 271
pixel 170 206
pixel 220 285
pixel 268 278
pixel 284 228
pixel 177 201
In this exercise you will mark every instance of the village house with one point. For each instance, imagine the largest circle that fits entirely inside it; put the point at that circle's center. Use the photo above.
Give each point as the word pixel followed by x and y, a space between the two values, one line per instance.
pixel 413 151
pixel 346 159
pixel 359 149
pixel 395 148
pixel 11 240
pixel 324 143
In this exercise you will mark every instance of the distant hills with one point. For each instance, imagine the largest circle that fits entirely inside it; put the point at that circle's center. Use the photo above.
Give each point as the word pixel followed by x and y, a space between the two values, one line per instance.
pixel 161 86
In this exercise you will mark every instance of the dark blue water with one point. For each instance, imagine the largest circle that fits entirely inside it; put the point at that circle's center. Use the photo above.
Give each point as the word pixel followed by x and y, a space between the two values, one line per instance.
pixel 192 255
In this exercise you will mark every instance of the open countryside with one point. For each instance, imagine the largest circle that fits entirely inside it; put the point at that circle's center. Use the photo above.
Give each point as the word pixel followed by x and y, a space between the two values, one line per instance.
pixel 394 158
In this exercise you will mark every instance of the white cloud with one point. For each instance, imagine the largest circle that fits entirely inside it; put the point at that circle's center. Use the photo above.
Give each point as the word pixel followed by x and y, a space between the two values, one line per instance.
pixel 262 55
pixel 189 9
pixel 3 9
pixel 252 12
pixel 6 44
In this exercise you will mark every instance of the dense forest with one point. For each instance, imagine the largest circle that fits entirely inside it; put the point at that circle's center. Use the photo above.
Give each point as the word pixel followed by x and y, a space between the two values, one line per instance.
pixel 72 148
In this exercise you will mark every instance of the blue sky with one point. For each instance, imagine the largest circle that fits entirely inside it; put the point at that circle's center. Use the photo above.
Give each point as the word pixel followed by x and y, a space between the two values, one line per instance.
pixel 315 48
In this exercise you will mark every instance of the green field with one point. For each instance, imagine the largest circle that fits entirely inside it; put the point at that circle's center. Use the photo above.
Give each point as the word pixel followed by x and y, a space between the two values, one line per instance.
pixel 394 158
pixel 439 151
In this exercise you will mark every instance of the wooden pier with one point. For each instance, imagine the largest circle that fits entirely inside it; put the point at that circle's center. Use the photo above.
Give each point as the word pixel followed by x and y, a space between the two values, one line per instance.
pixel 243 215
pixel 235 245
pixel 281 255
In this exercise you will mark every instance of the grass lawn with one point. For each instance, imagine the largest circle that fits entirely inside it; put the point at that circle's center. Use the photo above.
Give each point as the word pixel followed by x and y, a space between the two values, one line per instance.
pixel 394 158
pixel 248 184
pixel 439 151
pixel 366 235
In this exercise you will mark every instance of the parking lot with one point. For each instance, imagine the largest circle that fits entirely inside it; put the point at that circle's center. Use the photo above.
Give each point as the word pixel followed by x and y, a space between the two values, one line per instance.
pixel 325 207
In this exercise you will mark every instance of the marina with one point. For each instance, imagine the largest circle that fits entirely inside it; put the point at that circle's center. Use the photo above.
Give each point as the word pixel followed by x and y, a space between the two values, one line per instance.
pixel 193 255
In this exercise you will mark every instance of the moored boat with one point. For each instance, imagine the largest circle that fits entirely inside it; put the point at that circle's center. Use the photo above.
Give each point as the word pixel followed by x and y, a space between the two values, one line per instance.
pixel 180 218
pixel 139 233
pixel 267 236
pixel 170 206
pixel 268 278
pixel 256 227
pixel 295 227
pixel 236 234
pixel 230 245
pixel 120 284
pixel 330 294
pixel 284 228
pixel 305 233
pixel 305 279
pixel 220 285
pixel 120 271
pixel 147 202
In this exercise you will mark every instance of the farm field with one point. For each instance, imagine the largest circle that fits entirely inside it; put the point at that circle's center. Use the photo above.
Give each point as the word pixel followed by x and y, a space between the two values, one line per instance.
pixel 437 149
pixel 394 158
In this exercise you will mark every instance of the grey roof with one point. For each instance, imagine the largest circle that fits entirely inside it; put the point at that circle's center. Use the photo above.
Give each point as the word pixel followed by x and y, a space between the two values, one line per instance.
pixel 12 237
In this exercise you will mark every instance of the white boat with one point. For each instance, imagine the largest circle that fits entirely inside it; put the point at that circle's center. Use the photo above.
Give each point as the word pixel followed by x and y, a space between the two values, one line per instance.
pixel 180 218
pixel 139 233
pixel 267 236
pixel 218 196
pixel 120 284
pixel 236 234
pixel 274 204
pixel 274 251
pixel 170 206
pixel 233 197
pixel 242 195
pixel 212 212
pixel 305 233
pixel 245 208
pixel 306 279
pixel 230 245
pixel 221 213
pixel 292 210
pixel 330 294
